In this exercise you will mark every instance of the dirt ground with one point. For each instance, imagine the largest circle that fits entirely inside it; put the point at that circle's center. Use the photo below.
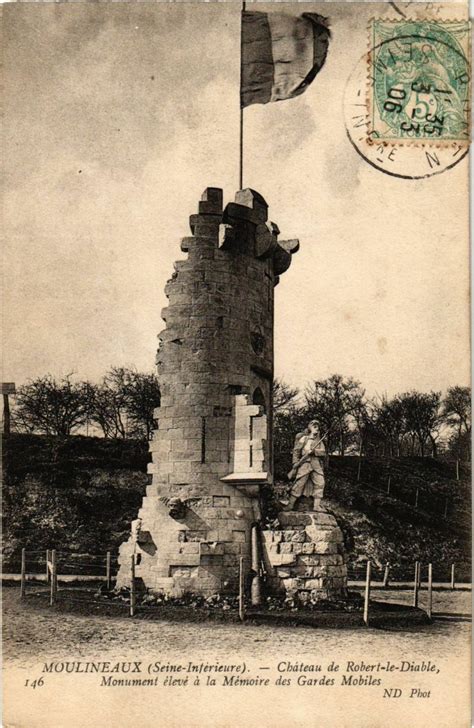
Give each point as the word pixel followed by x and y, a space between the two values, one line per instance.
pixel 36 637
pixel 31 634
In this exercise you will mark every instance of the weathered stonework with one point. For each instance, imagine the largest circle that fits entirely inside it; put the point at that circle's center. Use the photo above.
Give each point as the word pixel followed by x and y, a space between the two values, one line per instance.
pixel 306 555
pixel 212 449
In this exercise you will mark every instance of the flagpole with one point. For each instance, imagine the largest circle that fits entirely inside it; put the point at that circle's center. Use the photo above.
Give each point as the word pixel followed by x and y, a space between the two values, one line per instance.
pixel 241 130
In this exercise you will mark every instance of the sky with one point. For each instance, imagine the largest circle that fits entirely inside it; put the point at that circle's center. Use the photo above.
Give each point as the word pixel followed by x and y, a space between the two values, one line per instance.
pixel 118 116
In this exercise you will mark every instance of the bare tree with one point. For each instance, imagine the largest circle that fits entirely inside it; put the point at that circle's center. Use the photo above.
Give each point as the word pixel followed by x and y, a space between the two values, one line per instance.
pixel 283 395
pixel 456 409
pixel 122 404
pixel 142 397
pixel 107 410
pixel 331 402
pixel 51 407
pixel 423 418
pixel 390 420
pixel 361 417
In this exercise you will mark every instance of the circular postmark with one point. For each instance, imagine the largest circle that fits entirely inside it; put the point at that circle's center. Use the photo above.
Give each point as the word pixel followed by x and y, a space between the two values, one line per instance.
pixel 406 104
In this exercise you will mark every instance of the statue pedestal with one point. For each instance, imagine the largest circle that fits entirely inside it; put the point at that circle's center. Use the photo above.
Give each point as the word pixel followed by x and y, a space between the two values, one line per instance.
pixel 305 556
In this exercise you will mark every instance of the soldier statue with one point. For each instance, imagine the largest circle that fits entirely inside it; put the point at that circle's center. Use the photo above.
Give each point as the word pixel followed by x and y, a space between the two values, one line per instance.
pixel 307 472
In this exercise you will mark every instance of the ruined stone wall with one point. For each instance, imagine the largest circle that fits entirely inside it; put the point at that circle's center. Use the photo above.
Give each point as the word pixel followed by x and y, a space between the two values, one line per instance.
pixel 306 555
pixel 215 365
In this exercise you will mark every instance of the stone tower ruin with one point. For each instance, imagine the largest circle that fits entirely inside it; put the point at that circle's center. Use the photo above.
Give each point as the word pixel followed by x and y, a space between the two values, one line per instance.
pixel 212 449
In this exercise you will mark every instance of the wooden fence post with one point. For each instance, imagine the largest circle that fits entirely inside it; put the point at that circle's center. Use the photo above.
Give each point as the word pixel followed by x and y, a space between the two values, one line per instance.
pixel 132 586
pixel 108 572
pixel 48 559
pixel 386 575
pixel 430 590
pixel 359 467
pixel 255 588
pixel 416 584
pixel 23 574
pixel 388 485
pixel 417 493
pixel 457 469
pixel 367 594
pixel 453 576
pixel 54 582
pixel 446 508
pixel 241 590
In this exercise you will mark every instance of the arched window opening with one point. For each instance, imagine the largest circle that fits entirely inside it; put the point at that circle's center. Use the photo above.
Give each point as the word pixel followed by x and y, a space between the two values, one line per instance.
pixel 259 399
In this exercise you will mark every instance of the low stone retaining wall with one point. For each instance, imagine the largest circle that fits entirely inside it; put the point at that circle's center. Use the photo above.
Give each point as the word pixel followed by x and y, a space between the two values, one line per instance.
pixel 306 555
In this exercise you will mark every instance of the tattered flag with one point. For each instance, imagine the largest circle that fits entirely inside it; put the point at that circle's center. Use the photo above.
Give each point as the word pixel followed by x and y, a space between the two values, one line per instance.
pixel 281 55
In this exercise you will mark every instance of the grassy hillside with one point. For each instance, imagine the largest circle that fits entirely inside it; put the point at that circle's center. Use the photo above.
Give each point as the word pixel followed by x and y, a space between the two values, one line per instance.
pixel 80 494
pixel 75 493
pixel 392 522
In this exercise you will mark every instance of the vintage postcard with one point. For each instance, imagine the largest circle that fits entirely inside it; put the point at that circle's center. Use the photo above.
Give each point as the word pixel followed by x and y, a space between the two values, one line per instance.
pixel 236 367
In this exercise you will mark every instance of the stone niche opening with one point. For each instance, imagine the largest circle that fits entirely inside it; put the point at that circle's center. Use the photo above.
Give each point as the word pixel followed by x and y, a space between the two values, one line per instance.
pixel 248 449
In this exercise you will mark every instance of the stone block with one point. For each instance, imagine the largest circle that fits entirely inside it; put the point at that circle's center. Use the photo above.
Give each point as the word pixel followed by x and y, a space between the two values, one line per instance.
pixel 180 456
pixel 317 533
pixel 211 548
pixel 310 559
pixel 265 241
pixel 297 549
pixel 221 501
pixel 238 536
pixel 191 548
pixel 253 200
pixel 284 573
pixel 239 502
pixel 234 212
pixel 317 592
pixel 175 433
pixel 324 519
pixel 213 195
pixel 184 559
pixel 292 519
pixel 165 583
pixel 286 558
pixel 206 231
pixel 292 584
pixel 185 245
pixel 209 208
pixel 232 548
pixel 281 260
pixel 325 547
pixel 285 548
pixel 160 571
pixel 230 560
pixel 182 571
pixel 291 246
pixel 294 536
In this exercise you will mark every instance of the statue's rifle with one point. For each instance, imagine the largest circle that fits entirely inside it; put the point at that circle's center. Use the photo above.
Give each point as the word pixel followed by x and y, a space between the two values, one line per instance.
pixel 305 458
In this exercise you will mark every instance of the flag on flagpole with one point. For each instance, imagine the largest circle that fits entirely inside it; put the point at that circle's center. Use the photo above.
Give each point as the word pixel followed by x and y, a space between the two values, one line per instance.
pixel 281 55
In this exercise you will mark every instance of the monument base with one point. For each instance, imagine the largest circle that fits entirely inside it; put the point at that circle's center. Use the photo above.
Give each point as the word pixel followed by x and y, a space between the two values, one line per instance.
pixel 305 555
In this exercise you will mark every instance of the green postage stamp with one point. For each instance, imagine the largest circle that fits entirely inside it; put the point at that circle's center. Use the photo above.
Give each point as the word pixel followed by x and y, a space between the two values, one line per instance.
pixel 419 81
